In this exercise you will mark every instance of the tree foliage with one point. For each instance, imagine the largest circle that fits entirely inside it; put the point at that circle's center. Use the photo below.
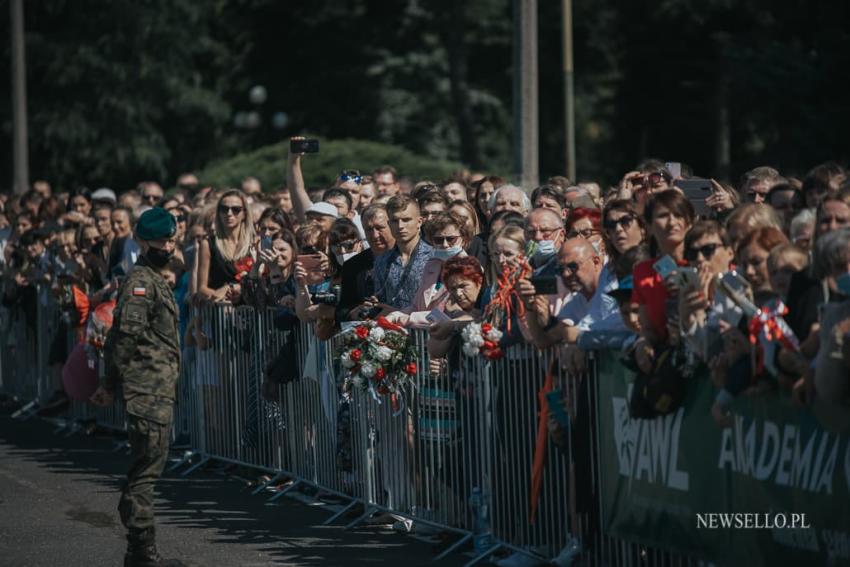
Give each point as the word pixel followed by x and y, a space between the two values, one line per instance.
pixel 268 164
pixel 121 91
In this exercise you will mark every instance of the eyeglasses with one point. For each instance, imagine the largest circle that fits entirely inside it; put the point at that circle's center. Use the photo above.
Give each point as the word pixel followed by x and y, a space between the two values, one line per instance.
pixel 445 240
pixel 346 246
pixel 625 222
pixel 544 232
pixel 584 233
pixel 707 251
pixel 237 210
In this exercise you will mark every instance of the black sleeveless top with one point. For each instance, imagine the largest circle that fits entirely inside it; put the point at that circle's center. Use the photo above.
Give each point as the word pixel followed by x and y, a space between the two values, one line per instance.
pixel 222 272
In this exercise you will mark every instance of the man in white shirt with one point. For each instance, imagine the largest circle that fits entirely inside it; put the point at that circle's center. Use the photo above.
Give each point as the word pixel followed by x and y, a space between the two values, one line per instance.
pixel 580 265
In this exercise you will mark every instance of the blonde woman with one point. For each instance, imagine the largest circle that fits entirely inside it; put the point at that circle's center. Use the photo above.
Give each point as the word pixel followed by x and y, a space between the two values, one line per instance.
pixel 228 245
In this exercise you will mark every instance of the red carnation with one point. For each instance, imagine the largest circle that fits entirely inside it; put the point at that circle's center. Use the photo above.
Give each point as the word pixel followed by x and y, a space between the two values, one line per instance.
pixel 355 355
pixel 362 332
pixel 493 354
pixel 488 345
pixel 383 390
pixel 410 368
pixel 486 328
pixel 380 374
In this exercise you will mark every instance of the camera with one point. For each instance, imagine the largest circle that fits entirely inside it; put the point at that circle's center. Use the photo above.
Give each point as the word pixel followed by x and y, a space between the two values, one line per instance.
pixel 326 297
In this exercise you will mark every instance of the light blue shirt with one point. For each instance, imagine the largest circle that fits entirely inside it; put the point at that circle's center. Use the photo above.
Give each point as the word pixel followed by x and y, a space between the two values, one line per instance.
pixel 603 313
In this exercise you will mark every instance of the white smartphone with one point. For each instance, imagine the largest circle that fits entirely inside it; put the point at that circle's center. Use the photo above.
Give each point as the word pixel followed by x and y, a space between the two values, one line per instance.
pixel 675 169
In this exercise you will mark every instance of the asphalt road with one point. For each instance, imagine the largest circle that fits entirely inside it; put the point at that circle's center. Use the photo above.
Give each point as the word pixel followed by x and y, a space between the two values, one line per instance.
pixel 58 500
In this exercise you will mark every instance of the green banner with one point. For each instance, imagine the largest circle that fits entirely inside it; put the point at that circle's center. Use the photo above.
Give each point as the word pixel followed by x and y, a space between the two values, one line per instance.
pixel 772 489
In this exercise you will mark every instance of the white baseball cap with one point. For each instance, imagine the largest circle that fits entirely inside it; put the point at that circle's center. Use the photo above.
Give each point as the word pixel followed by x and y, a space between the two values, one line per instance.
pixel 323 208
pixel 104 194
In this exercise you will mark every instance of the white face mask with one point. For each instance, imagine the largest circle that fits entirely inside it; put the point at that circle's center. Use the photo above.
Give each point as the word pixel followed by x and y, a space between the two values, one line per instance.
pixel 445 254
pixel 545 248
pixel 343 258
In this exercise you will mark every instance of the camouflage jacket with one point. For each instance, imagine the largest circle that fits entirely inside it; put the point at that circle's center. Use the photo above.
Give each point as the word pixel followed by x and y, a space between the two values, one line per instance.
pixel 142 349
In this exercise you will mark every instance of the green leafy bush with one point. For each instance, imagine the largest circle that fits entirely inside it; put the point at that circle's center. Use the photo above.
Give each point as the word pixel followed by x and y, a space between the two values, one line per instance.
pixel 268 164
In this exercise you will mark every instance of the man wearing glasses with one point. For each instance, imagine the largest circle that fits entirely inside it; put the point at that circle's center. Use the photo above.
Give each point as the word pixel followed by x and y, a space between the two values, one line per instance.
pixel 545 227
pixel 386 181
pixel 151 193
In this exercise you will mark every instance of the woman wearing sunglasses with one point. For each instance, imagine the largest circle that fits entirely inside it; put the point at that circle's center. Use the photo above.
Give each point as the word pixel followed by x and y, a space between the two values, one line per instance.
pixel 230 243
pixel 622 230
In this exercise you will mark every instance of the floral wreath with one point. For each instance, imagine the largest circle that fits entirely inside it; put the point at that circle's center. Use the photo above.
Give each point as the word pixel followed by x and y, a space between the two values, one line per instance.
pixel 378 357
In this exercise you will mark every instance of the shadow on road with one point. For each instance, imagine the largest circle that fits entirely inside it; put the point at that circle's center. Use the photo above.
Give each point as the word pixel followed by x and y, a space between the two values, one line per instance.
pixel 219 507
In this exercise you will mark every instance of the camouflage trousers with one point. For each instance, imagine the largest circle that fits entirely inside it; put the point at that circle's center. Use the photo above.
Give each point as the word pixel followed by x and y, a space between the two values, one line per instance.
pixel 149 443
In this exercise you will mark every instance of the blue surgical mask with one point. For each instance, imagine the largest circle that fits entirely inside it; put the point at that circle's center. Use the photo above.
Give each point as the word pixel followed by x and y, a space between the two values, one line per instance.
pixel 545 248
pixel 446 253
pixel 843 283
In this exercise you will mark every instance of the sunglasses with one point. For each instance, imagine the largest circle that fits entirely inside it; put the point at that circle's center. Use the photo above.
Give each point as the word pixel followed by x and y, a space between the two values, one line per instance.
pixel 350 176
pixel 180 218
pixel 346 246
pixel 625 222
pixel 235 210
pixel 707 251
pixel 151 198
pixel 571 267
pixel 446 240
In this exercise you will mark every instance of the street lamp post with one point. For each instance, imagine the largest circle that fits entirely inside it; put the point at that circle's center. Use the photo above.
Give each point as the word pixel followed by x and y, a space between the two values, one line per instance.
pixel 569 89
pixel 526 130
pixel 19 100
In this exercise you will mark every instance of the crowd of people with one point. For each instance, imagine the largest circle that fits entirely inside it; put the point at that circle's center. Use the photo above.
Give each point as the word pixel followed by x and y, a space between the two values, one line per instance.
pixel 670 280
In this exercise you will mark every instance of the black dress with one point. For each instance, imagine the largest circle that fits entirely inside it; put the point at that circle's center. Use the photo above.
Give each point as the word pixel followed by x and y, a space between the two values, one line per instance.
pixel 222 272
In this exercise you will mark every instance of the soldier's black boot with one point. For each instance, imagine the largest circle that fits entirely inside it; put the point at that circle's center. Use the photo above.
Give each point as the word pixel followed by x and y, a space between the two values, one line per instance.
pixel 141 551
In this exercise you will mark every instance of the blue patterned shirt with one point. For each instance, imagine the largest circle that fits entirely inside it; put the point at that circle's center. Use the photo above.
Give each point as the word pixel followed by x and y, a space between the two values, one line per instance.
pixel 388 272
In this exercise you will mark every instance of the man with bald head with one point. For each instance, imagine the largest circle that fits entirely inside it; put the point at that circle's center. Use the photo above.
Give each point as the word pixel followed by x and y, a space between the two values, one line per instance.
pixel 579 265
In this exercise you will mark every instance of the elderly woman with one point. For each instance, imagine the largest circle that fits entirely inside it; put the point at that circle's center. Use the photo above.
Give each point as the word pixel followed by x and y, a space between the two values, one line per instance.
pixel 464 279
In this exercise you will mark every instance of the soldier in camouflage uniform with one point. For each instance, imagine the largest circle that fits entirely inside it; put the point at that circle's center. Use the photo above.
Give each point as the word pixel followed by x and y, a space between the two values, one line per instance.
pixel 142 353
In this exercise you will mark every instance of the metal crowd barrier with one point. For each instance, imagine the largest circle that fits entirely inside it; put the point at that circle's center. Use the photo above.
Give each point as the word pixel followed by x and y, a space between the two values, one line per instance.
pixel 467 436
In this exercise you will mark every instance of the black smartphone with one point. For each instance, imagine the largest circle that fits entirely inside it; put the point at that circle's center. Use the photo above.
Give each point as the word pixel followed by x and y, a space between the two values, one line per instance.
pixel 696 190
pixel 305 146
pixel 266 243
pixel 373 312
pixel 545 285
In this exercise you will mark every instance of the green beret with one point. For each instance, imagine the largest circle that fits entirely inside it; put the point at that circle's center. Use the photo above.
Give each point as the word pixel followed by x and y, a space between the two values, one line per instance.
pixel 155 224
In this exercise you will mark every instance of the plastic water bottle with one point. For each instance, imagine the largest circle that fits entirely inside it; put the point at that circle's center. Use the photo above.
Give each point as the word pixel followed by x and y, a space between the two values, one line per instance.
pixel 482 539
